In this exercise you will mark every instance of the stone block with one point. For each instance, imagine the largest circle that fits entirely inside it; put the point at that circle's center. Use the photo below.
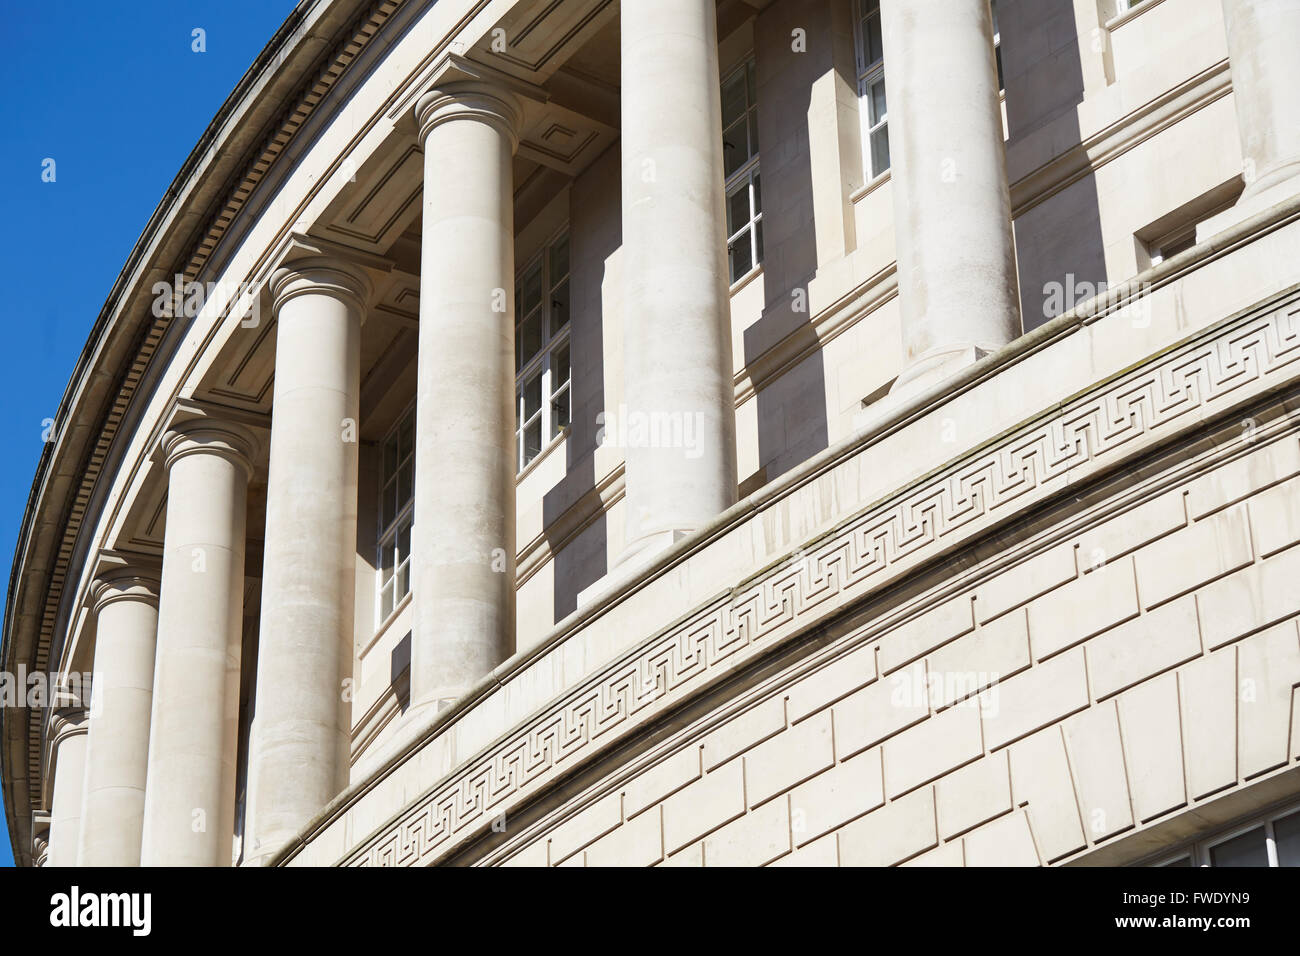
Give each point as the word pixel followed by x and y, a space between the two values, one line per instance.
pixel 898 830
pixel 973 795
pixel 837 796
pixel 708 803
pixel 788 759
pixel 1210 548
pixel 932 748
pixel 1035 698
pixel 1082 608
pixel 1132 652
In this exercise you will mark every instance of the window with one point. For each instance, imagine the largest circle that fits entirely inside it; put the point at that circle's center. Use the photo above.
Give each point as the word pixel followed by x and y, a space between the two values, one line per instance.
pixel 871 87
pixel 396 508
pixel 542 366
pixel 1172 245
pixel 1269 840
pixel 997 44
pixel 740 169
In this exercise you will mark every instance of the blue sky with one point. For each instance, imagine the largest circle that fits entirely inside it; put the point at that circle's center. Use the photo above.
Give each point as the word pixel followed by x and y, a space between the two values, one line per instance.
pixel 117 99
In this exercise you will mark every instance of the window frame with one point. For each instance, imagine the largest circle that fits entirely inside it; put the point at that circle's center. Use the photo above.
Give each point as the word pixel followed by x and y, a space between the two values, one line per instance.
pixel 869 74
pixel 402 520
pixel 1200 851
pixel 542 363
pixel 745 177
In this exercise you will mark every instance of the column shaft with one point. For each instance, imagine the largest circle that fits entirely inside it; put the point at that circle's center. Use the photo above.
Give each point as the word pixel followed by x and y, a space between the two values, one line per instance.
pixel 69 730
pixel 117 754
pixel 1264 53
pixel 299 743
pixel 189 809
pixel 679 424
pixel 463 539
pixel 952 209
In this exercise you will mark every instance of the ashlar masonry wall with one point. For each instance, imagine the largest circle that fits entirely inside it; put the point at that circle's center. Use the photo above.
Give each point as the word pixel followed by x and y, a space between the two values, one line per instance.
pixel 1121 676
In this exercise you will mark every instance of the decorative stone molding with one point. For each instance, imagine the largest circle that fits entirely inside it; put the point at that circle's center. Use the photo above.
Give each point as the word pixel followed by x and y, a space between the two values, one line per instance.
pixel 68 721
pixel 322 275
pixel 1206 375
pixel 470 99
pixel 40 837
pixel 204 436
pixel 125 583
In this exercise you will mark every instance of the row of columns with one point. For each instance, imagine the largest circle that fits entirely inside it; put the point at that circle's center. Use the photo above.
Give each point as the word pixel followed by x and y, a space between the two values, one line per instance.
pixel 150 778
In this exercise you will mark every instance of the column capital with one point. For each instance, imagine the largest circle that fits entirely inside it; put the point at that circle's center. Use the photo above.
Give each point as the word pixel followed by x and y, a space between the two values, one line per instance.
pixel 69 721
pixel 40 837
pixel 209 437
pixel 484 101
pixel 124 583
pixel 333 276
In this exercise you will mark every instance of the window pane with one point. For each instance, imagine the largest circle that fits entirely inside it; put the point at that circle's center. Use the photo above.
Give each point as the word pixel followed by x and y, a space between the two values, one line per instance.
pixel 404 541
pixel 388 511
pixel 391 453
pixel 741 255
pixel 560 412
pixel 532 296
pixel 738 209
pixel 406 434
pixel 878 108
pixel 386 562
pixel 735 149
pixel 733 98
pixel 530 338
pixel 880 151
pixel 1246 850
pixel 1287 834
pixel 753 132
pixel 405 485
pixel 532 396
pixel 758 241
pixel 532 441
pixel 758 195
pixel 751 82
pixel 403 585
pixel 404 556
pixel 872 45
pixel 386 602
pixel 560 307
pixel 560 367
pixel 560 259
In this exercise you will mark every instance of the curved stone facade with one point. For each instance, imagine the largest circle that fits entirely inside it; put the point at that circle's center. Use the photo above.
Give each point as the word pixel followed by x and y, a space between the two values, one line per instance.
pixel 543 454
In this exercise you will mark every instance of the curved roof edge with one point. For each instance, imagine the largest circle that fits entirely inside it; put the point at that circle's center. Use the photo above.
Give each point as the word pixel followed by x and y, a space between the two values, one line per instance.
pixel 252 128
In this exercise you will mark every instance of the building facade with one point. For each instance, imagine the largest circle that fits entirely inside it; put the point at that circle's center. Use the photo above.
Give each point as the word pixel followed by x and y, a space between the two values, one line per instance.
pixel 690 432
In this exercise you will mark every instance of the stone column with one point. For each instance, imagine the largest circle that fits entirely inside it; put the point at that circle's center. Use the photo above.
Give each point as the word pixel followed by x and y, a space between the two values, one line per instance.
pixel 952 209
pixel 678 427
pixel 189 806
pixel 299 742
pixel 463 539
pixel 68 732
pixel 117 754
pixel 1264 53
